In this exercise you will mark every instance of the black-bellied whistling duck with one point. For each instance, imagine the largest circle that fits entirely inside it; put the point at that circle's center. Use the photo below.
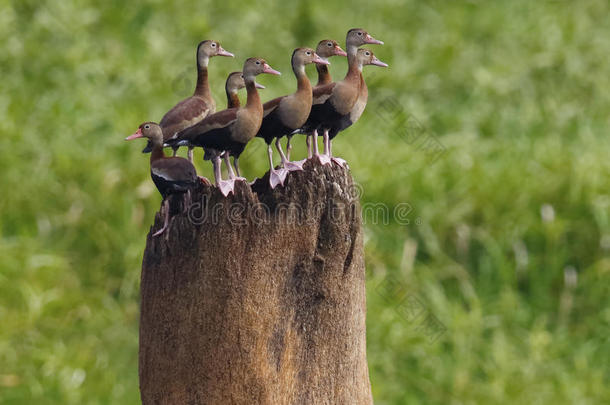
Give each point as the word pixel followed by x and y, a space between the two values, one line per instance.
pixel 235 82
pixel 229 130
pixel 363 57
pixel 338 98
pixel 171 175
pixel 283 115
pixel 201 104
pixel 325 49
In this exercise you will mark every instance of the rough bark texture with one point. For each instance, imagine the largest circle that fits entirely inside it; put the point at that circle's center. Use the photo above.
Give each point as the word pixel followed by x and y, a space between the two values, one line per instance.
pixel 258 298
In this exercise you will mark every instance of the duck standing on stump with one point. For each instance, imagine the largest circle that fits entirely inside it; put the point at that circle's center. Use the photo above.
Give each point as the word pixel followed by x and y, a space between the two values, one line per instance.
pixel 235 82
pixel 229 130
pixel 363 57
pixel 171 175
pixel 325 49
pixel 201 104
pixel 336 99
pixel 283 115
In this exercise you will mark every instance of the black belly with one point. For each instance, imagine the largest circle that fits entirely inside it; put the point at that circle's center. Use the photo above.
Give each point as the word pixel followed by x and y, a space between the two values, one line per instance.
pixel 316 117
pixel 341 123
pixel 326 117
pixel 217 141
pixel 272 127
pixel 167 187
pixel 237 149
pixel 218 138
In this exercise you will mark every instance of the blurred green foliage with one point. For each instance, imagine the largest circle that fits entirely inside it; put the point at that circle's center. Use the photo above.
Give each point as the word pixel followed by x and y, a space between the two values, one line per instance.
pixel 508 238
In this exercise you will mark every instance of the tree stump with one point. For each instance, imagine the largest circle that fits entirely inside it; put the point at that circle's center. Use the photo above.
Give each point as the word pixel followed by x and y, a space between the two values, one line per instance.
pixel 258 298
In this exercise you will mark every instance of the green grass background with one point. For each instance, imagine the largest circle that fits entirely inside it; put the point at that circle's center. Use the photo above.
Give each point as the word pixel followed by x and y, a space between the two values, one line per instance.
pixel 508 241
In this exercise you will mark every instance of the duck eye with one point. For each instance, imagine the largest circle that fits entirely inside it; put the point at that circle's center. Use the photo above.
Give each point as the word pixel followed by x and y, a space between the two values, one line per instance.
pixel 242 76
pixel 308 53
pixel 258 63
pixel 213 45
pixel 146 126
pixel 359 33
pixel 329 44
pixel 368 54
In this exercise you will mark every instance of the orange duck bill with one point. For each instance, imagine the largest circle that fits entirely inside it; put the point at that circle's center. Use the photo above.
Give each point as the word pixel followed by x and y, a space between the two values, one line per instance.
pixel 136 135
pixel 270 70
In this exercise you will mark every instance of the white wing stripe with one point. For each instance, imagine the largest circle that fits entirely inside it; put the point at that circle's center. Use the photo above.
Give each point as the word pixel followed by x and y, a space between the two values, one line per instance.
pixel 159 173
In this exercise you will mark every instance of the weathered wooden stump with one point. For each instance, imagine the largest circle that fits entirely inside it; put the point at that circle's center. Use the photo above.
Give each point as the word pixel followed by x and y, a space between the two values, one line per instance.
pixel 258 298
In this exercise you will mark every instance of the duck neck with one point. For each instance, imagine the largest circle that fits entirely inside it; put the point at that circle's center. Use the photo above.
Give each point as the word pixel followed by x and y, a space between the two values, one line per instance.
pixel 203 88
pixel 352 51
pixel 157 151
pixel 253 102
pixel 323 75
pixel 364 92
pixel 303 84
pixel 354 67
pixel 232 99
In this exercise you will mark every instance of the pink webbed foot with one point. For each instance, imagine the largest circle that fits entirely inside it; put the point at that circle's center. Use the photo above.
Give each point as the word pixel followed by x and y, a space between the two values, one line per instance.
pixel 226 187
pixel 324 159
pixel 339 161
pixel 236 179
pixel 277 177
pixel 294 166
pixel 302 162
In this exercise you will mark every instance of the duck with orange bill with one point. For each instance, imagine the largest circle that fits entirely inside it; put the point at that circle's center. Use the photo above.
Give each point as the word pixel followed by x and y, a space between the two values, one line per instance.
pixel 326 48
pixel 230 130
pixel 201 104
pixel 171 175
pixel 339 123
pixel 337 99
pixel 235 82
pixel 284 114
